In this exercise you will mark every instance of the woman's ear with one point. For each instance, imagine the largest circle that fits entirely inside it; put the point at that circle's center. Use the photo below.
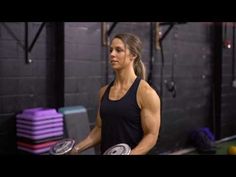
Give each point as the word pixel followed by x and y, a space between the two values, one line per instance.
pixel 133 56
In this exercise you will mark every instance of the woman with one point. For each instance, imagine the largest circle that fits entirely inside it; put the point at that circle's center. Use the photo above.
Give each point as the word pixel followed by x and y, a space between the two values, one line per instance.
pixel 129 109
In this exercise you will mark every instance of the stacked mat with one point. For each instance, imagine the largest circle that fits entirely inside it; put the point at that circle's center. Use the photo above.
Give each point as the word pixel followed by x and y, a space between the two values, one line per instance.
pixel 38 129
pixel 76 125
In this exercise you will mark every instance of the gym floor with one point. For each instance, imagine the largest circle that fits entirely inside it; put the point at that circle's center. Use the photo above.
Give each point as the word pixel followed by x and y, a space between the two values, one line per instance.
pixel 221 148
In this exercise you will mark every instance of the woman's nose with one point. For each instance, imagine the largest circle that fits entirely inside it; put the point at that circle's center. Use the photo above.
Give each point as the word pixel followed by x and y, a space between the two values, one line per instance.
pixel 112 54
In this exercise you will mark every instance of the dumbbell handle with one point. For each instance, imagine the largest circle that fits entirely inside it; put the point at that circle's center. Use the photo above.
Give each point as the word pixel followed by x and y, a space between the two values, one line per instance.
pixel 62 147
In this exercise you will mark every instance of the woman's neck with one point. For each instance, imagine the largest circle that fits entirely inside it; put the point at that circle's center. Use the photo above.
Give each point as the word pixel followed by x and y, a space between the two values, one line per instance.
pixel 124 77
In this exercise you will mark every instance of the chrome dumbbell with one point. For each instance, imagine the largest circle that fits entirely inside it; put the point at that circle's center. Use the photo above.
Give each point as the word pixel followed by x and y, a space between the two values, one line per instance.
pixel 62 147
pixel 118 149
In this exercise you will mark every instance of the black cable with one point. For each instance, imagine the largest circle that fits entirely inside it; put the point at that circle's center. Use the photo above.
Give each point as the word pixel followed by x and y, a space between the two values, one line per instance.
pixel 151 56
pixel 233 54
pixel 173 87
pixel 172 68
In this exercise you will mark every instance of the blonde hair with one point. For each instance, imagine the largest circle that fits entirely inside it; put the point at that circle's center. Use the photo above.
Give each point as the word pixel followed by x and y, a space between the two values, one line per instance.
pixel 134 44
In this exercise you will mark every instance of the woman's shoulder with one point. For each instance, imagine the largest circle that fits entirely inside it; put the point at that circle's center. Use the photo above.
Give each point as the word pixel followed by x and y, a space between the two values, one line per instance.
pixel 102 90
pixel 144 85
pixel 145 89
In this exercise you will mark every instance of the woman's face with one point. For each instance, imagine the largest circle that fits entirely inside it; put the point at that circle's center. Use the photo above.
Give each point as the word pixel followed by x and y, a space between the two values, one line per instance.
pixel 120 55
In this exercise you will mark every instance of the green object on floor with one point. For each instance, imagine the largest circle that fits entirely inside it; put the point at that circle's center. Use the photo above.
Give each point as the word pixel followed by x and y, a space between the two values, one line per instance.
pixel 221 148
pixel 232 150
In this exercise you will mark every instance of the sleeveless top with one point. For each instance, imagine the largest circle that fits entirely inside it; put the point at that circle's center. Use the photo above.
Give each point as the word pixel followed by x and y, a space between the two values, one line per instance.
pixel 121 119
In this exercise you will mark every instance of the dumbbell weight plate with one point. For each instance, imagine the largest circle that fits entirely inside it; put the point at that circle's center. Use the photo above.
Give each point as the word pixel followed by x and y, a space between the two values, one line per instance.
pixel 62 147
pixel 119 149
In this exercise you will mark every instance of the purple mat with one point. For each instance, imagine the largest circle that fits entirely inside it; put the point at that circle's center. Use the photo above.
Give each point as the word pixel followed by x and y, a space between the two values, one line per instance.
pixel 36 146
pixel 34 151
pixel 36 114
pixel 42 140
pixel 39 127
pixel 36 137
pixel 42 122
pixel 39 132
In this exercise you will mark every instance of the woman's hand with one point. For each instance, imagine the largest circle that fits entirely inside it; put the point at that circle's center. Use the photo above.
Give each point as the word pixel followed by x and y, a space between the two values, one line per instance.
pixel 74 151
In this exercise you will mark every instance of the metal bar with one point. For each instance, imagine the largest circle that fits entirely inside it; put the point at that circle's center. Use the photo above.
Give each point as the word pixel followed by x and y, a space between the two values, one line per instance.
pixel 27 59
pixel 104 33
pixel 169 23
pixel 170 27
pixel 36 36
pixel 165 23
pixel 157 39
pixel 13 35
pixel 111 28
pixel 166 32
pixel 105 48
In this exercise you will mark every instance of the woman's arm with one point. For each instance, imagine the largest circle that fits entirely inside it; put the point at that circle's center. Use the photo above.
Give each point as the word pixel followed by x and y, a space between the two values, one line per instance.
pixel 94 137
pixel 149 103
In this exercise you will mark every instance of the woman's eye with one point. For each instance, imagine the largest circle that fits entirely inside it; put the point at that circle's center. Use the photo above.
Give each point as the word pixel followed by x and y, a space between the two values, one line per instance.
pixel 119 50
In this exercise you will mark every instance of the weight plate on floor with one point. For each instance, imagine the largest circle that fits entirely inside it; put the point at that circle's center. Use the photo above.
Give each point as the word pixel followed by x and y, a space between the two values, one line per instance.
pixel 62 147
pixel 119 149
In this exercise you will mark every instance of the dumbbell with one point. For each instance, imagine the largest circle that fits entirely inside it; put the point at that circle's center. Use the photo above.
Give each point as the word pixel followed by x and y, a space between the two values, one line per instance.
pixel 118 149
pixel 62 147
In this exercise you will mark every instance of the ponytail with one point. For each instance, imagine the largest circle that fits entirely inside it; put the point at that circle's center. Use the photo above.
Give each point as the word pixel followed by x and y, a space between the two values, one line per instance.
pixel 139 69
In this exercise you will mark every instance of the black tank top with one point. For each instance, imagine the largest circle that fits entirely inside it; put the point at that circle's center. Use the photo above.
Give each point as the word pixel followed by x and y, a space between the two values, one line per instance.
pixel 121 121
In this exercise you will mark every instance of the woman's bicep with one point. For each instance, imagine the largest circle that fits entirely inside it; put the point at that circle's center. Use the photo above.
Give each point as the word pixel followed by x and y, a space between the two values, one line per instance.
pixel 150 112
